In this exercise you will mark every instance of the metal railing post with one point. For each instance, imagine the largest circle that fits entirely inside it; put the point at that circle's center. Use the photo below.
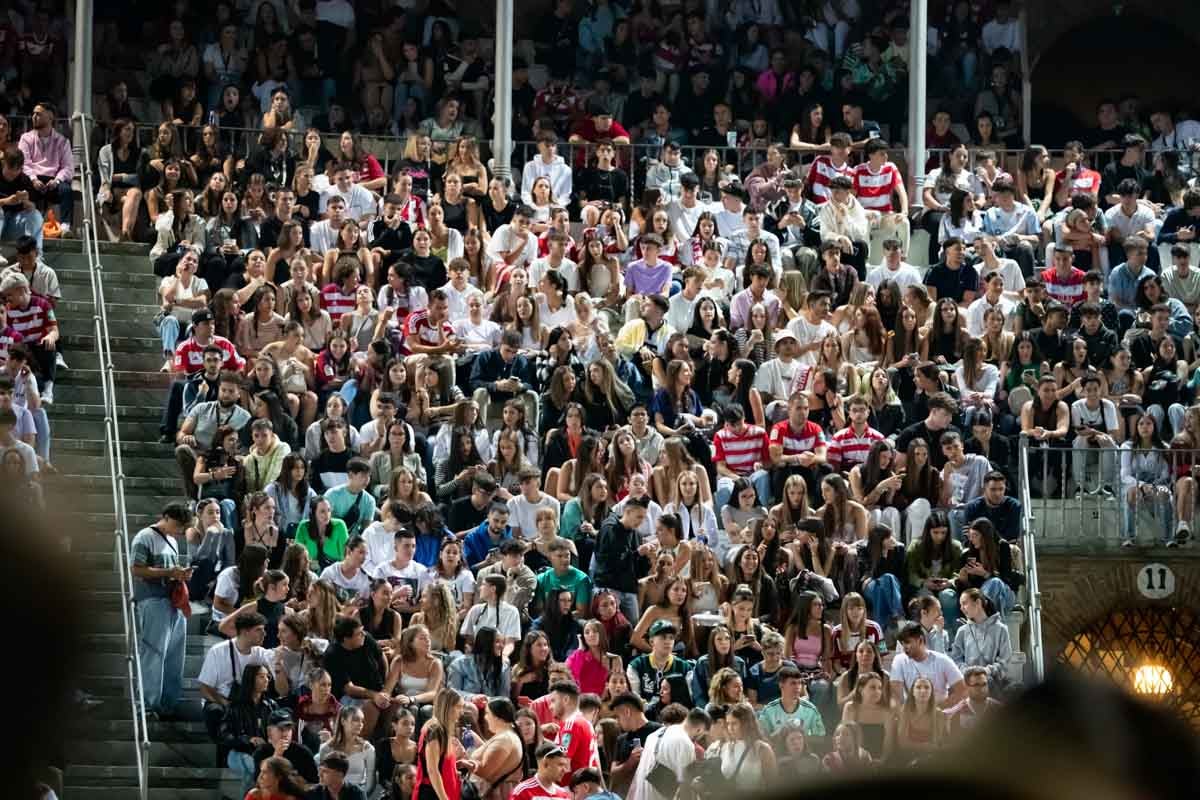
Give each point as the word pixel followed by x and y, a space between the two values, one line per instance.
pixel 1037 656
pixel 112 440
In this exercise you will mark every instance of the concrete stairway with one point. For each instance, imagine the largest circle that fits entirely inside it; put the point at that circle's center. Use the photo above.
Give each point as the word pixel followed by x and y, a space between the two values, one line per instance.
pixel 100 744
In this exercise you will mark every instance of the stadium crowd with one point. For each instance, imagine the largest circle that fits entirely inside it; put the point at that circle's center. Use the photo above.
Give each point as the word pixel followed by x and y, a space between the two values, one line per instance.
pixel 638 473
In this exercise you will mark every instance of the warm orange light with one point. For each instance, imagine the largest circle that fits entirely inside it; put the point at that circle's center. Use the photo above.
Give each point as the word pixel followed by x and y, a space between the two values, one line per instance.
pixel 1152 679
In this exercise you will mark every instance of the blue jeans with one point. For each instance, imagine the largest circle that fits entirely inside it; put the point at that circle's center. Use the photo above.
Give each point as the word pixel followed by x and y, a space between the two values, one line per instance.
pixel 229 514
pixel 168 331
pixel 41 426
pixel 883 598
pixel 162 636
pixel 948 599
pixel 402 93
pixel 23 223
pixel 760 479
pixel 1160 505
pixel 243 765
pixel 1000 594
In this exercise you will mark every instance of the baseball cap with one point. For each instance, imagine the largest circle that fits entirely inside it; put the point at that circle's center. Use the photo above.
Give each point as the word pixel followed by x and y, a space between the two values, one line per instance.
pixel 662 627
pixel 201 315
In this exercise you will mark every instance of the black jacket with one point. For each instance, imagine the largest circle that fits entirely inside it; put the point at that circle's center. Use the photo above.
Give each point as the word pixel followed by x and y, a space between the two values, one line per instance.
pixel 557 451
pixel 297 755
pixel 242 722
pixel 616 556
pixel 489 367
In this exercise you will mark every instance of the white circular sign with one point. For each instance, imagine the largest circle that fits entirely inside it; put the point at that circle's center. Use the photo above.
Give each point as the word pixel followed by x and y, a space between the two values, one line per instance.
pixel 1155 581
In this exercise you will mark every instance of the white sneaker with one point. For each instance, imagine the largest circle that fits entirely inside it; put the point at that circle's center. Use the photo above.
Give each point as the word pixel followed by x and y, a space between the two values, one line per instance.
pixel 48 393
pixel 60 361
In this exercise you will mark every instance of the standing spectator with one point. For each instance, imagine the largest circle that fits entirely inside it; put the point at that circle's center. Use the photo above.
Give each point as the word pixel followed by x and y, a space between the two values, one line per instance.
pixel 162 636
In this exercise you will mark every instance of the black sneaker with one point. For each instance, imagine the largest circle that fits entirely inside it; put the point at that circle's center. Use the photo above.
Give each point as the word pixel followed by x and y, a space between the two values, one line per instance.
pixel 1182 536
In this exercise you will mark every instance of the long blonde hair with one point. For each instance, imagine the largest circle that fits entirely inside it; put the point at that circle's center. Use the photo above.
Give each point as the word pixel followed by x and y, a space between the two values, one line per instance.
pixel 323 613
pixel 442 616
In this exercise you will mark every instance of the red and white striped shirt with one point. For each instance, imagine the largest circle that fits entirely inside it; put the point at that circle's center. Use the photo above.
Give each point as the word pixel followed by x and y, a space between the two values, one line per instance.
pixel 794 442
pixel 413 211
pixel 821 173
pixel 739 451
pixel 337 302
pixel 1067 290
pixel 189 355
pixel 418 326
pixel 848 449
pixel 874 190
pixel 33 321
pixel 8 337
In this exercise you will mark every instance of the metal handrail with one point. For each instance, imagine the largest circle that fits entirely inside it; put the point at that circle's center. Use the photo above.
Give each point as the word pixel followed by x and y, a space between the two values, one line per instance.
pixel 112 436
pixel 1037 655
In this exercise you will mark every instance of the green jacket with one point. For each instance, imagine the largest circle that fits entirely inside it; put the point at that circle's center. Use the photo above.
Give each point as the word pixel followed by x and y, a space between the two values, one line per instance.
pixel 773 717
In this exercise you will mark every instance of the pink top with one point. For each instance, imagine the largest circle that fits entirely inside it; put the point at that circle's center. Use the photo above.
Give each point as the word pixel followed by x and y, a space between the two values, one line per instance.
pixel 589 673
pixel 807 652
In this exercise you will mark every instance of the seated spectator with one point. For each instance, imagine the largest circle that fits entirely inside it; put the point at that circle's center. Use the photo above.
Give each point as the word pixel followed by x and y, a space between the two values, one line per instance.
pixel 983 640
pixel 918 662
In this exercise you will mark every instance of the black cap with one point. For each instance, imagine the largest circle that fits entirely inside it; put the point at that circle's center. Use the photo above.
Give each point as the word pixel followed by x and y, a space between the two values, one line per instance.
pixel 201 315
pixel 280 718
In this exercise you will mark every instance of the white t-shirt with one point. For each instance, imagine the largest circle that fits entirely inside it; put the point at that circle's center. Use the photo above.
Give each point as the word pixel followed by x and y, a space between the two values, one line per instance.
pixel 223 665
pixel 462 585
pixel 381 546
pixel 409 575
pixel 775 378
pixel 359 203
pixel 1104 418
pixel 670 746
pixel 806 334
pixel 227 589
pixel 28 456
pixel 564 317
pixel 457 300
pixel 360 584
pixel 979 306
pixel 504 618
pixel 522 514
pixel 907 275
pixel 938 667
pixel 195 287
pixel 505 239
pixel 484 336
pixel 567 268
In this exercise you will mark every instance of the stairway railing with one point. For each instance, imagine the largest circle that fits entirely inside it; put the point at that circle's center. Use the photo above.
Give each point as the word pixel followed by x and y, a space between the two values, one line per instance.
pixel 112 441
pixel 1037 656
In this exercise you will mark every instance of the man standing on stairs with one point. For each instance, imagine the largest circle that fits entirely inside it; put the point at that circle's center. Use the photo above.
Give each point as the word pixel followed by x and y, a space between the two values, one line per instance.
pixel 162 634
pixel 33 317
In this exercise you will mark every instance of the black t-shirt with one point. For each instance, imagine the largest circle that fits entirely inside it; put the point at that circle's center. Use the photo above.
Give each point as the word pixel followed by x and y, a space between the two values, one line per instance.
pixel 428 271
pixel 8 188
pixel 952 283
pixel 363 667
pixel 932 438
pixel 464 515
pixel 391 239
pixel 626 744
pixel 297 755
pixel 608 185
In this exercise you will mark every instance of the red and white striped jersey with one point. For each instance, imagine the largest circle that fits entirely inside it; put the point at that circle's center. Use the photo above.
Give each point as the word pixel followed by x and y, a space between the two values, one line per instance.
pixel 336 302
pixel 1067 290
pixel 821 173
pixel 794 442
pixel 417 326
pixel 848 449
pixel 33 321
pixel 874 190
pixel 739 451
pixel 532 789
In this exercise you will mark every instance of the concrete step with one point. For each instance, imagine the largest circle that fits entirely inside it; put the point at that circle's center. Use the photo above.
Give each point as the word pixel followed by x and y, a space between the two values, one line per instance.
pixel 89 375
pixel 95 445
pixel 81 324
pixel 93 395
pixel 113 265
pixel 114 663
pixel 116 311
pixel 141 467
pixel 110 644
pixel 82 277
pixel 92 782
pixel 132 289
pixel 101 524
pixel 119 346
pixel 71 425
pixel 166 754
